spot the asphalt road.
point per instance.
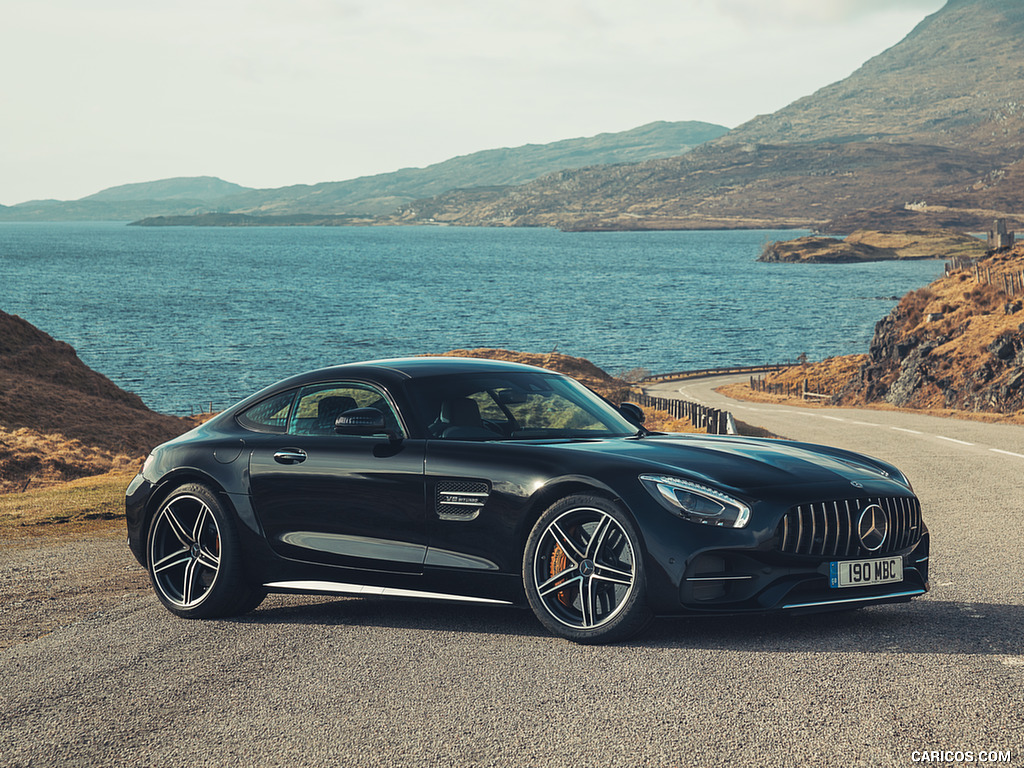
(371, 682)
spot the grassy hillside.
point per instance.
(59, 419)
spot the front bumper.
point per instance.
(737, 581)
(135, 500)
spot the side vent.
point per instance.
(461, 499)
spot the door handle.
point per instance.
(290, 456)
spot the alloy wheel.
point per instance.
(185, 550)
(584, 568)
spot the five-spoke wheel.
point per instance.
(192, 555)
(583, 571)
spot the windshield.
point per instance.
(513, 406)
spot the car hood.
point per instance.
(753, 464)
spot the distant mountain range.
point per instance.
(371, 195)
(927, 133)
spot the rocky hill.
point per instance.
(935, 122)
(957, 344)
(59, 419)
(380, 194)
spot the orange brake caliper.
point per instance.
(559, 562)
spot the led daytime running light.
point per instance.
(663, 485)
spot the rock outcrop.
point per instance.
(957, 344)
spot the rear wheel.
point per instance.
(583, 571)
(195, 558)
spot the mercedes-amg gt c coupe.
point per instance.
(492, 482)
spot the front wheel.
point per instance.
(195, 558)
(583, 572)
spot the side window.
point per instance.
(552, 411)
(488, 408)
(270, 415)
(319, 406)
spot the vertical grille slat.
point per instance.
(849, 530)
(837, 530)
(829, 528)
(799, 530)
(904, 526)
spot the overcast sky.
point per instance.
(267, 93)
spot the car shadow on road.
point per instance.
(922, 627)
(389, 612)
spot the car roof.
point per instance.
(416, 367)
(395, 370)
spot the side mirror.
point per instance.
(633, 413)
(364, 422)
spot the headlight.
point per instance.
(697, 503)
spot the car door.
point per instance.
(341, 500)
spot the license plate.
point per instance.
(865, 573)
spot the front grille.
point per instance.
(829, 528)
(461, 499)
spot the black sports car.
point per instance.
(476, 480)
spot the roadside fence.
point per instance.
(715, 372)
(1011, 282)
(759, 384)
(714, 421)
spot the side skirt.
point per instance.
(334, 587)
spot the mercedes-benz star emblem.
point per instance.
(872, 527)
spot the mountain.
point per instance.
(380, 194)
(386, 192)
(179, 196)
(928, 133)
(204, 188)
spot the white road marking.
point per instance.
(953, 440)
(799, 412)
(1007, 453)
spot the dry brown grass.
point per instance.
(80, 506)
(32, 459)
(922, 243)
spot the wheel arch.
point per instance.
(170, 483)
(560, 489)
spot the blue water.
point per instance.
(186, 316)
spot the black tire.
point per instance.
(583, 572)
(194, 557)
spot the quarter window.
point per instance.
(270, 415)
(320, 405)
